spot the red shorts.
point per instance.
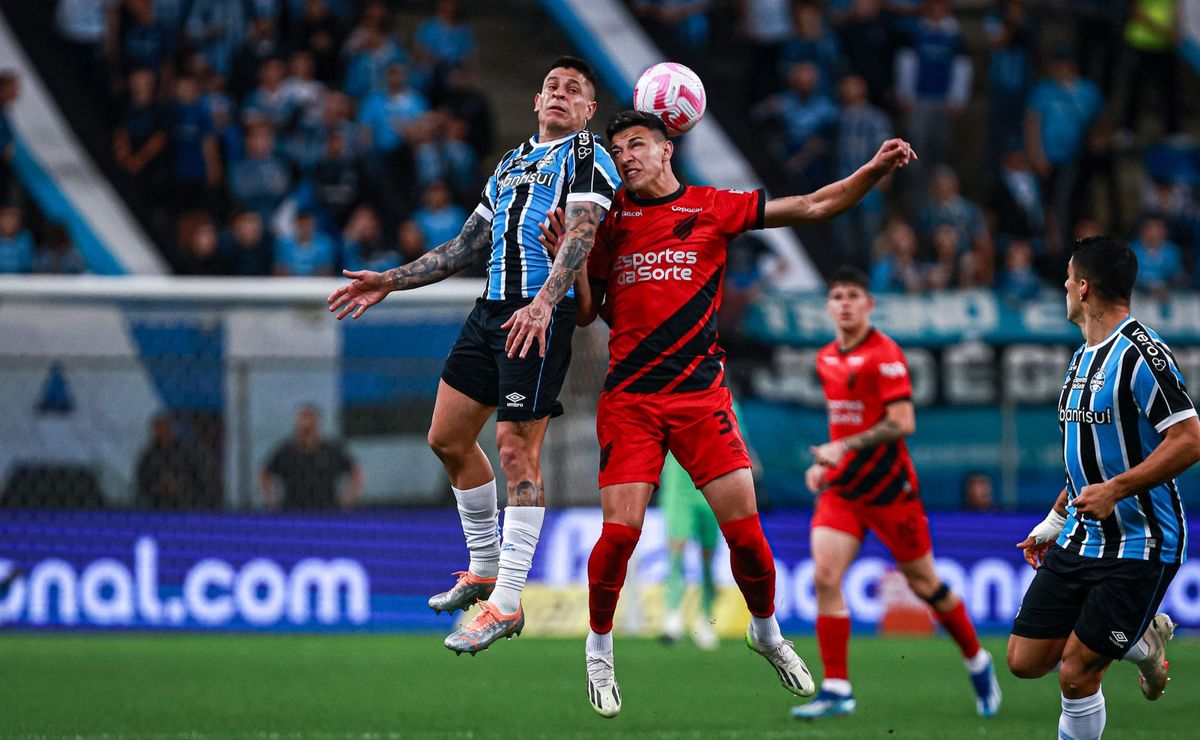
(902, 526)
(635, 431)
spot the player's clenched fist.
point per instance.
(892, 155)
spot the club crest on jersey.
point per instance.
(1097, 381)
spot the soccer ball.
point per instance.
(672, 92)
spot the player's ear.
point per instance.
(537, 101)
(591, 108)
(668, 150)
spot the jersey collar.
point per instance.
(533, 140)
(1109, 338)
(657, 201)
(866, 338)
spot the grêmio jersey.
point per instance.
(662, 261)
(859, 384)
(1117, 399)
(528, 182)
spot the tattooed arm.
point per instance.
(369, 288)
(529, 324)
(900, 421)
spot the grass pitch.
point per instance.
(385, 686)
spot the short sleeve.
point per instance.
(487, 200)
(1158, 387)
(594, 176)
(740, 211)
(892, 370)
(600, 258)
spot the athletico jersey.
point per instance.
(662, 262)
(529, 181)
(1117, 399)
(859, 384)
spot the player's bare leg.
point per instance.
(624, 507)
(833, 552)
(457, 421)
(1083, 713)
(520, 445)
(731, 497)
(950, 612)
(1033, 658)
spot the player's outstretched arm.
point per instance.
(529, 324)
(587, 298)
(900, 421)
(840, 196)
(1178, 451)
(368, 287)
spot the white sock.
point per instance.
(598, 644)
(1082, 719)
(522, 526)
(765, 631)
(839, 686)
(979, 661)
(1138, 651)
(478, 513)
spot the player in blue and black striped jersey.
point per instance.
(1116, 536)
(528, 302)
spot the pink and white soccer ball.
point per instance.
(672, 92)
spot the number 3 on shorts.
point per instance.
(722, 416)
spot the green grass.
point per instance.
(410, 686)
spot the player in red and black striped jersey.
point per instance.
(655, 275)
(864, 478)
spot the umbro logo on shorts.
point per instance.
(514, 400)
(1119, 637)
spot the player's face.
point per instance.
(850, 306)
(566, 102)
(641, 156)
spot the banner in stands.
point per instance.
(373, 571)
(986, 376)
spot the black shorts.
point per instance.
(519, 389)
(1107, 602)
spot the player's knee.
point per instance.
(827, 580)
(518, 456)
(930, 590)
(446, 446)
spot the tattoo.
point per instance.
(526, 493)
(582, 219)
(880, 434)
(446, 259)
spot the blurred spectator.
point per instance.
(389, 112)
(10, 88)
(1098, 25)
(339, 182)
(1177, 205)
(321, 35)
(196, 167)
(198, 242)
(411, 241)
(947, 207)
(808, 119)
(140, 142)
(368, 66)
(308, 253)
(766, 25)
(1012, 41)
(1062, 111)
(1018, 281)
(945, 271)
(440, 219)
(813, 42)
(686, 20)
(16, 243)
(1085, 227)
(261, 180)
(444, 41)
(977, 493)
(82, 26)
(466, 103)
(302, 90)
(1159, 260)
(310, 467)
(222, 113)
(363, 243)
(1150, 37)
(869, 48)
(861, 128)
(269, 101)
(169, 474)
(933, 81)
(261, 43)
(246, 246)
(895, 269)
(442, 153)
(216, 28)
(57, 255)
(1017, 200)
(139, 41)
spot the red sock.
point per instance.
(833, 637)
(606, 572)
(958, 624)
(752, 564)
